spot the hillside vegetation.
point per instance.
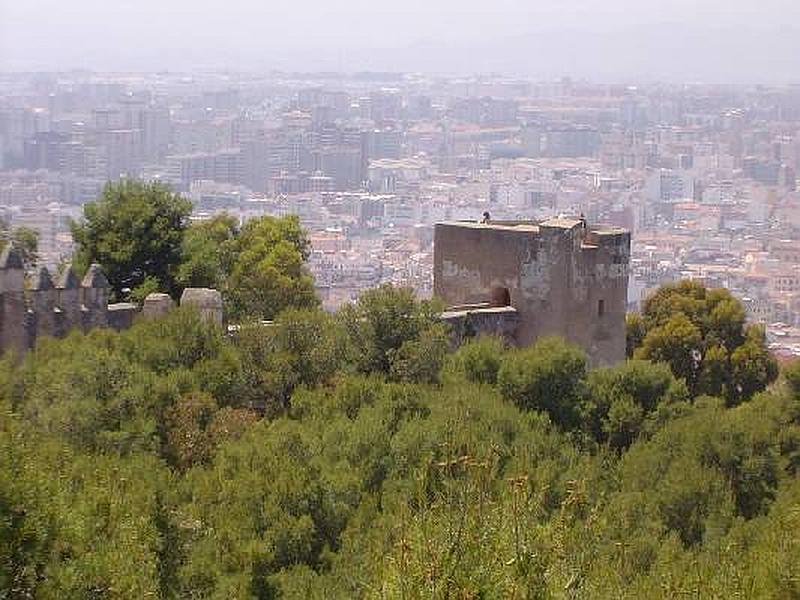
(356, 456)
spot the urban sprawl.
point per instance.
(705, 177)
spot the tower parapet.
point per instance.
(562, 277)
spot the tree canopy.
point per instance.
(701, 334)
(268, 272)
(358, 455)
(135, 232)
(25, 240)
(141, 235)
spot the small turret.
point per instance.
(13, 312)
(156, 305)
(41, 280)
(207, 301)
(95, 278)
(68, 280)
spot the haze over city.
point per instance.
(714, 41)
(422, 299)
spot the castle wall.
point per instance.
(561, 278)
(48, 309)
(473, 322)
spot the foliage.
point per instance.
(701, 334)
(478, 360)
(135, 232)
(622, 400)
(546, 377)
(329, 456)
(141, 236)
(387, 327)
(268, 272)
(208, 252)
(25, 241)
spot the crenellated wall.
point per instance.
(45, 307)
(54, 308)
(48, 308)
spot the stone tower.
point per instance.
(561, 277)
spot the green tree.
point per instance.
(386, 319)
(25, 240)
(268, 271)
(752, 366)
(208, 251)
(791, 373)
(620, 398)
(135, 232)
(701, 334)
(548, 377)
(679, 343)
(634, 332)
(420, 360)
(478, 360)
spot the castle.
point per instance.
(519, 279)
(523, 280)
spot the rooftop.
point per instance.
(533, 226)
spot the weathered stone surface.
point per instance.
(561, 277)
(157, 305)
(94, 298)
(69, 302)
(95, 278)
(13, 310)
(42, 280)
(465, 323)
(10, 258)
(68, 280)
(48, 309)
(207, 301)
(121, 314)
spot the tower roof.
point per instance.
(10, 258)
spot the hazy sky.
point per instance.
(601, 39)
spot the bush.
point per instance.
(478, 360)
(548, 377)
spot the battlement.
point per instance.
(45, 307)
(560, 275)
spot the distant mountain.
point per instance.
(663, 52)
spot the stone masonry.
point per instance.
(53, 308)
(556, 277)
(48, 308)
